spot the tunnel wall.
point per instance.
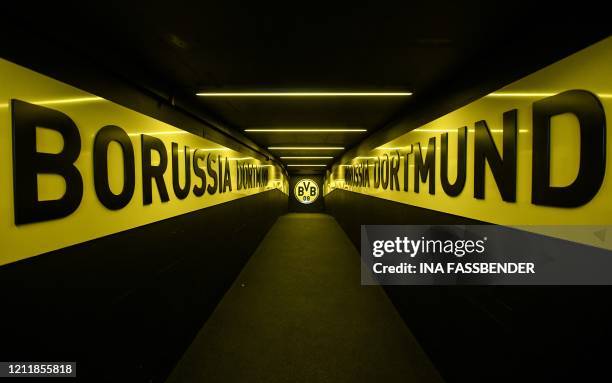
(121, 290)
(490, 333)
(498, 333)
(510, 157)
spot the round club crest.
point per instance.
(306, 191)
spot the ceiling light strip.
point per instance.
(304, 94)
(306, 157)
(305, 148)
(305, 130)
(310, 165)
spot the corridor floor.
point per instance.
(298, 313)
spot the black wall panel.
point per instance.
(126, 306)
(492, 333)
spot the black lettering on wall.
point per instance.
(361, 181)
(227, 180)
(384, 172)
(248, 176)
(377, 172)
(220, 168)
(180, 192)
(28, 163)
(366, 174)
(152, 172)
(406, 167)
(395, 165)
(249, 172)
(244, 175)
(504, 171)
(239, 166)
(252, 175)
(454, 189)
(198, 191)
(591, 117)
(212, 188)
(265, 176)
(425, 169)
(104, 137)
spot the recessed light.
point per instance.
(304, 94)
(305, 157)
(305, 130)
(307, 165)
(305, 148)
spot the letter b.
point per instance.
(28, 163)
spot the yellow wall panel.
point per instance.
(92, 219)
(588, 70)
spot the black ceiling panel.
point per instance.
(183, 47)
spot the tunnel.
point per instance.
(299, 192)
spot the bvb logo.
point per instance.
(306, 191)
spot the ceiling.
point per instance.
(190, 46)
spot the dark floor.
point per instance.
(297, 313)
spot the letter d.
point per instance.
(591, 116)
